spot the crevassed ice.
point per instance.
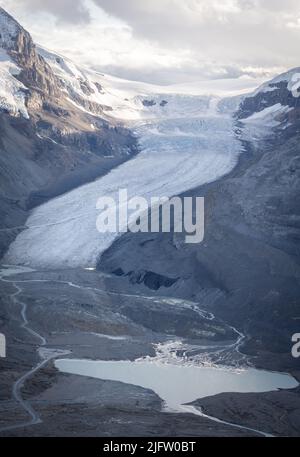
(184, 145)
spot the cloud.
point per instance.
(168, 40)
(69, 11)
(252, 32)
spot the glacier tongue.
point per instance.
(184, 144)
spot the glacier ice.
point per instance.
(184, 144)
(12, 91)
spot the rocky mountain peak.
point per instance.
(283, 90)
(9, 29)
(275, 104)
(35, 73)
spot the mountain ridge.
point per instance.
(48, 143)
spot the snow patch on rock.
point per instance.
(268, 116)
(291, 77)
(12, 91)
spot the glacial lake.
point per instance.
(179, 384)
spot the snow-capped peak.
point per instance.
(12, 91)
(273, 104)
(9, 29)
(291, 78)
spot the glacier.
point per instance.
(185, 141)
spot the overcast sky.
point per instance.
(168, 41)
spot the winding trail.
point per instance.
(49, 354)
(45, 355)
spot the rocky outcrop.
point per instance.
(148, 103)
(35, 73)
(247, 269)
(283, 90)
(56, 146)
(151, 280)
(87, 104)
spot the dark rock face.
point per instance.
(163, 103)
(35, 72)
(277, 91)
(150, 279)
(99, 87)
(278, 94)
(149, 103)
(247, 270)
(88, 105)
(35, 167)
(59, 146)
